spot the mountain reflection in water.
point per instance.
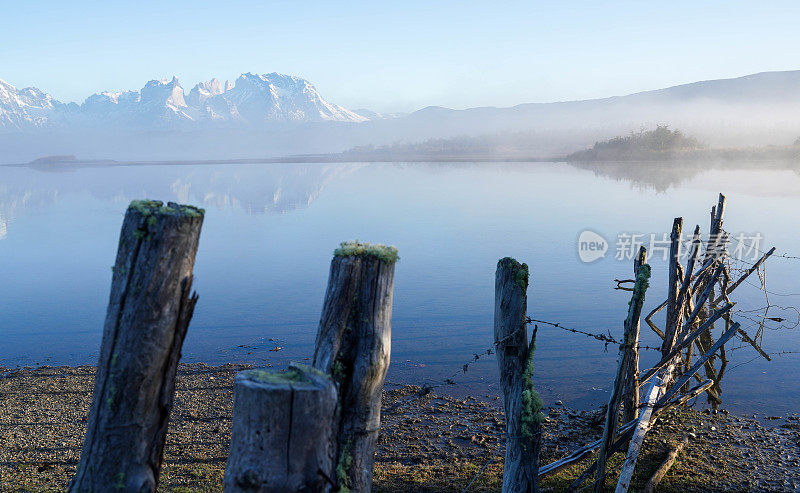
(270, 230)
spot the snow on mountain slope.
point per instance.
(206, 90)
(22, 108)
(253, 100)
(276, 97)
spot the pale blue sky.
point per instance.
(398, 55)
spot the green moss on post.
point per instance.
(642, 283)
(296, 373)
(150, 207)
(343, 465)
(521, 271)
(387, 254)
(531, 401)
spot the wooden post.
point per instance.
(521, 403)
(706, 340)
(631, 393)
(353, 346)
(673, 310)
(146, 322)
(612, 412)
(282, 439)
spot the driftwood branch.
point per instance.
(665, 466)
(653, 326)
(700, 361)
(639, 433)
(684, 343)
(691, 394)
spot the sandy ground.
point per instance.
(428, 442)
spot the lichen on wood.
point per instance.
(520, 270)
(296, 374)
(355, 248)
(531, 414)
(152, 207)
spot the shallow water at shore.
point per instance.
(270, 231)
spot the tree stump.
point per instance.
(282, 438)
(521, 403)
(353, 345)
(147, 318)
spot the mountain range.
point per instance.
(273, 115)
(253, 100)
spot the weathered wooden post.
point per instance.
(612, 412)
(146, 322)
(673, 310)
(521, 402)
(631, 393)
(716, 246)
(353, 346)
(282, 439)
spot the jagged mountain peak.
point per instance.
(253, 100)
(205, 90)
(164, 91)
(26, 107)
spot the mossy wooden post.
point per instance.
(148, 314)
(353, 346)
(612, 412)
(631, 394)
(521, 403)
(282, 439)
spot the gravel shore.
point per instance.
(428, 442)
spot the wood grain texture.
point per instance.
(282, 440)
(642, 427)
(148, 315)
(673, 311)
(631, 325)
(353, 345)
(630, 401)
(521, 468)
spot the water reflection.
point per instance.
(661, 176)
(270, 230)
(254, 189)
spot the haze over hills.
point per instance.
(271, 115)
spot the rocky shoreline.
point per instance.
(429, 442)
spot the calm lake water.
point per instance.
(270, 231)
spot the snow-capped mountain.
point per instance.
(277, 97)
(206, 90)
(253, 100)
(23, 108)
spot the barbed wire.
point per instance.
(605, 338)
(774, 255)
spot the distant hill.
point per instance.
(646, 145)
(271, 115)
(752, 110)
